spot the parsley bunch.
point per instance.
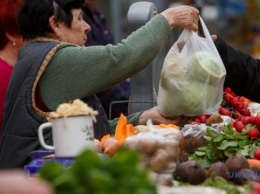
(225, 143)
(92, 174)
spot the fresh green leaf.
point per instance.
(218, 138)
(121, 174)
(225, 144)
(199, 153)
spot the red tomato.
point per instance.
(253, 133)
(257, 154)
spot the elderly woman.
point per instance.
(54, 67)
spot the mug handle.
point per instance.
(40, 135)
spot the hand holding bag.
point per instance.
(192, 77)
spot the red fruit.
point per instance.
(257, 154)
(233, 122)
(234, 102)
(253, 133)
(239, 126)
(241, 99)
(197, 120)
(252, 120)
(236, 115)
(257, 120)
(228, 90)
(246, 112)
(203, 118)
(245, 120)
(224, 111)
(240, 107)
(227, 97)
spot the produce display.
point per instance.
(226, 144)
(220, 151)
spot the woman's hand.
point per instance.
(182, 17)
(157, 118)
(17, 182)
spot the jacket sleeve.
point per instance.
(243, 71)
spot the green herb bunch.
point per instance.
(92, 174)
(225, 143)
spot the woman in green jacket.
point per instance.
(54, 67)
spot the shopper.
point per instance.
(55, 67)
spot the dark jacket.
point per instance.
(100, 34)
(243, 71)
(22, 116)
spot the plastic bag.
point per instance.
(194, 134)
(192, 77)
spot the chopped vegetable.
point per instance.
(123, 130)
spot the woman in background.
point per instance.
(10, 42)
(100, 34)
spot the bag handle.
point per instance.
(200, 30)
(204, 32)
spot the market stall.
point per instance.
(216, 149)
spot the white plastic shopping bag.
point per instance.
(192, 77)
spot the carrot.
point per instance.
(123, 130)
(253, 162)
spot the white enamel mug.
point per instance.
(71, 135)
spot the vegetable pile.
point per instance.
(240, 136)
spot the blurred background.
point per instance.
(236, 21)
